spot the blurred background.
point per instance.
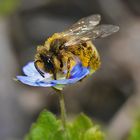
(111, 96)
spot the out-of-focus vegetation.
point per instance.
(8, 6)
(135, 132)
(48, 127)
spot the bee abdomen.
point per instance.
(95, 62)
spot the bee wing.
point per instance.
(99, 31)
(83, 25)
(104, 30)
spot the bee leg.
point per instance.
(40, 72)
(68, 67)
(54, 76)
(60, 60)
(53, 70)
(61, 63)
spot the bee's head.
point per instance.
(45, 63)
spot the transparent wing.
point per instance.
(99, 31)
(83, 25)
(103, 31)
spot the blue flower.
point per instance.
(33, 78)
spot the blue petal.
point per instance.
(33, 78)
(78, 73)
(30, 70)
(33, 81)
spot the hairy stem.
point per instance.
(63, 109)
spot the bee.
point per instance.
(63, 50)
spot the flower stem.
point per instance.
(63, 109)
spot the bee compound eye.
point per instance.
(49, 64)
(49, 60)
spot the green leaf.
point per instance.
(82, 122)
(45, 128)
(59, 135)
(94, 134)
(135, 132)
(79, 126)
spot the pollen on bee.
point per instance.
(40, 65)
(39, 47)
(54, 36)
